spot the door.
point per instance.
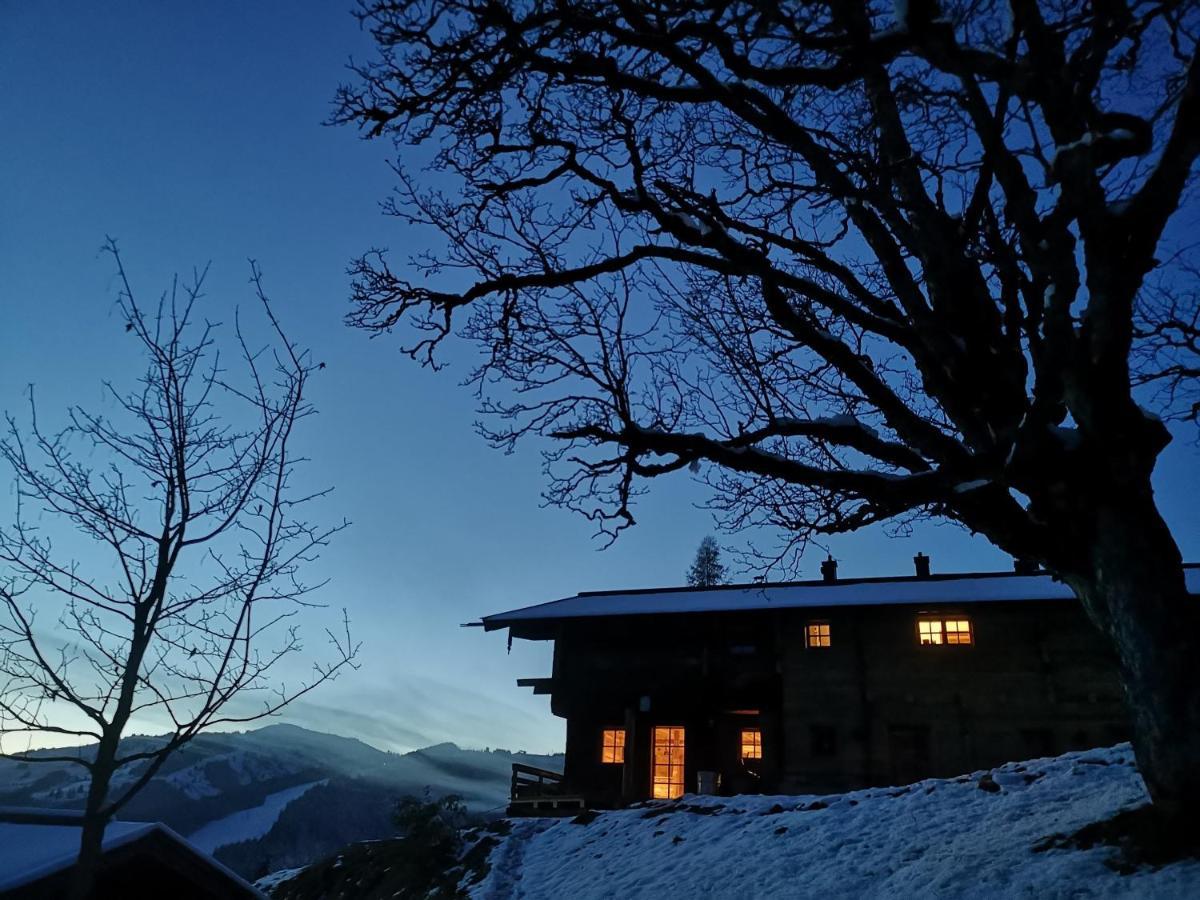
(666, 778)
(908, 746)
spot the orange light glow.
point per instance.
(612, 746)
(818, 635)
(751, 743)
(944, 631)
(667, 777)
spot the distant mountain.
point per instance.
(281, 795)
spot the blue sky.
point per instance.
(192, 133)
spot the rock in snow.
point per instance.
(936, 838)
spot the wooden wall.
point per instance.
(1037, 680)
(873, 708)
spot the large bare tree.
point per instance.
(182, 608)
(857, 261)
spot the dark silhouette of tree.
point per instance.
(188, 493)
(854, 261)
(706, 569)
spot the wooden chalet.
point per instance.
(813, 687)
(139, 861)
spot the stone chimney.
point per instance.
(921, 561)
(829, 569)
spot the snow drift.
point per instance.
(973, 836)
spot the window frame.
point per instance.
(615, 748)
(945, 636)
(676, 762)
(824, 641)
(750, 739)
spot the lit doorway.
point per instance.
(667, 777)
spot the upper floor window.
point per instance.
(751, 743)
(612, 745)
(944, 631)
(817, 634)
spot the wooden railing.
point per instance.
(529, 782)
(540, 792)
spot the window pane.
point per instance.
(944, 631)
(751, 743)
(817, 634)
(959, 637)
(668, 770)
(612, 745)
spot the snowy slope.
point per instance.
(247, 824)
(936, 838)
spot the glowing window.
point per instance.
(751, 743)
(667, 777)
(944, 631)
(817, 634)
(612, 746)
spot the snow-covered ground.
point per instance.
(936, 838)
(268, 883)
(247, 824)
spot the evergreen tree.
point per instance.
(707, 569)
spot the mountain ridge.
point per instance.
(247, 780)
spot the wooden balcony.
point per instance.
(540, 792)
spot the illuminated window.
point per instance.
(944, 631)
(958, 631)
(612, 746)
(817, 635)
(667, 777)
(751, 743)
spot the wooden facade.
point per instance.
(819, 698)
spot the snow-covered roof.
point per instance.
(31, 849)
(936, 589)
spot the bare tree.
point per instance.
(857, 261)
(189, 494)
(1166, 353)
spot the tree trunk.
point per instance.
(83, 876)
(1133, 587)
(95, 821)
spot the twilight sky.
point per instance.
(192, 133)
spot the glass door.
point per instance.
(667, 776)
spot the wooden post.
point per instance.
(629, 770)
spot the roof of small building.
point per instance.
(974, 587)
(37, 843)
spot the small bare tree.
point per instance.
(189, 494)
